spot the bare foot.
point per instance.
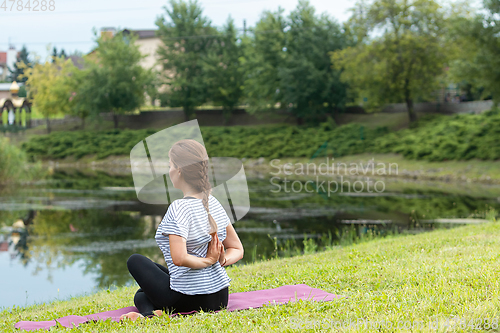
(158, 312)
(131, 315)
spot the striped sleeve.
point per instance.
(176, 220)
(223, 214)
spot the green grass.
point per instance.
(425, 277)
(434, 138)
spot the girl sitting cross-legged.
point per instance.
(197, 240)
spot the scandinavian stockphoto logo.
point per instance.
(150, 165)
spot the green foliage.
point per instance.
(477, 38)
(78, 144)
(22, 91)
(115, 82)
(13, 164)
(402, 65)
(62, 54)
(238, 141)
(309, 83)
(17, 72)
(49, 85)
(263, 55)
(222, 70)
(460, 137)
(435, 138)
(287, 62)
(491, 214)
(182, 58)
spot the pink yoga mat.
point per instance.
(237, 301)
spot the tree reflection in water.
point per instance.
(59, 238)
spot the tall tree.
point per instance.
(49, 86)
(310, 86)
(288, 64)
(222, 70)
(402, 65)
(116, 81)
(54, 54)
(476, 36)
(16, 71)
(84, 95)
(264, 53)
(186, 37)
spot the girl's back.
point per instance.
(187, 218)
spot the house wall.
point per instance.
(148, 47)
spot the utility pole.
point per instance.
(244, 28)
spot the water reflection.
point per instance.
(81, 226)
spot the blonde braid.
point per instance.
(206, 188)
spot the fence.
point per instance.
(239, 117)
(447, 108)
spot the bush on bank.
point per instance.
(14, 164)
(435, 138)
(238, 141)
(459, 137)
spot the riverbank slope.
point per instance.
(428, 277)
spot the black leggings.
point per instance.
(155, 293)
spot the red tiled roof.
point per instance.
(3, 57)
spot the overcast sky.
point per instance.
(70, 24)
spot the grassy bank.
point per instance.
(434, 138)
(424, 277)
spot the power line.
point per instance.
(45, 43)
(249, 30)
(82, 11)
(21, 14)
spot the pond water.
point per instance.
(79, 227)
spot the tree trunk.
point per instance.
(409, 103)
(83, 123)
(187, 114)
(226, 113)
(115, 119)
(300, 120)
(48, 124)
(411, 113)
(334, 113)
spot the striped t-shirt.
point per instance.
(188, 218)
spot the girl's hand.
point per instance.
(213, 251)
(222, 257)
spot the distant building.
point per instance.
(77, 61)
(5, 90)
(148, 43)
(7, 59)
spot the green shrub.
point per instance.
(433, 138)
(238, 141)
(442, 138)
(14, 164)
